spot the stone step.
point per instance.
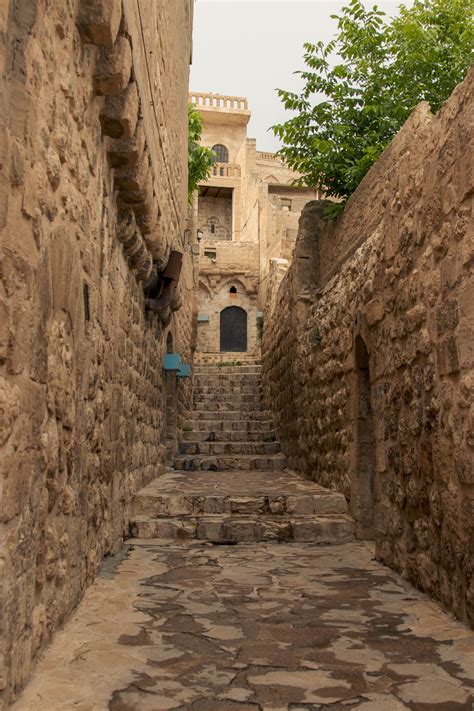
(229, 436)
(228, 406)
(220, 358)
(224, 528)
(220, 424)
(228, 415)
(227, 462)
(227, 370)
(227, 397)
(153, 504)
(227, 383)
(244, 447)
(240, 506)
(229, 390)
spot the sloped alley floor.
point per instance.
(228, 628)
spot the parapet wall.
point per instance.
(368, 352)
(93, 190)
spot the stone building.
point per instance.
(246, 217)
(368, 352)
(93, 202)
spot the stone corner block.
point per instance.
(113, 69)
(99, 21)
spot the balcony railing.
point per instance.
(261, 155)
(216, 101)
(226, 170)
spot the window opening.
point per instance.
(221, 153)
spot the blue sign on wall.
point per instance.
(172, 361)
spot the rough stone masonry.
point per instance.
(368, 352)
(93, 196)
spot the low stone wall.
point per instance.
(93, 183)
(368, 353)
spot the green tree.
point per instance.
(200, 159)
(361, 87)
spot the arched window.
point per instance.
(233, 290)
(221, 153)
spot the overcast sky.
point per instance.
(251, 47)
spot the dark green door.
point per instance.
(233, 329)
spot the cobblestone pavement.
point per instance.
(228, 628)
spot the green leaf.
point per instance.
(350, 109)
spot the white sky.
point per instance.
(251, 47)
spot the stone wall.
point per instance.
(213, 301)
(368, 352)
(93, 173)
(215, 213)
(235, 265)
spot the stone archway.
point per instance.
(363, 483)
(233, 330)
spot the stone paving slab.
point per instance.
(229, 462)
(228, 483)
(249, 628)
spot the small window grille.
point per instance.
(221, 153)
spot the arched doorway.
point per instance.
(233, 330)
(363, 486)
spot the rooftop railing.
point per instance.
(216, 101)
(261, 155)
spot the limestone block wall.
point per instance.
(235, 265)
(368, 352)
(215, 213)
(93, 173)
(212, 302)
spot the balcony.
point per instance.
(225, 170)
(216, 108)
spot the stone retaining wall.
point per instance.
(93, 191)
(368, 353)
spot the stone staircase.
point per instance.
(230, 481)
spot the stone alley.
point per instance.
(236, 366)
(179, 623)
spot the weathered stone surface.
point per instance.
(85, 415)
(99, 21)
(367, 376)
(113, 68)
(120, 114)
(193, 626)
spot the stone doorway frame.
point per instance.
(363, 468)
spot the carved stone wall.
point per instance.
(93, 173)
(368, 352)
